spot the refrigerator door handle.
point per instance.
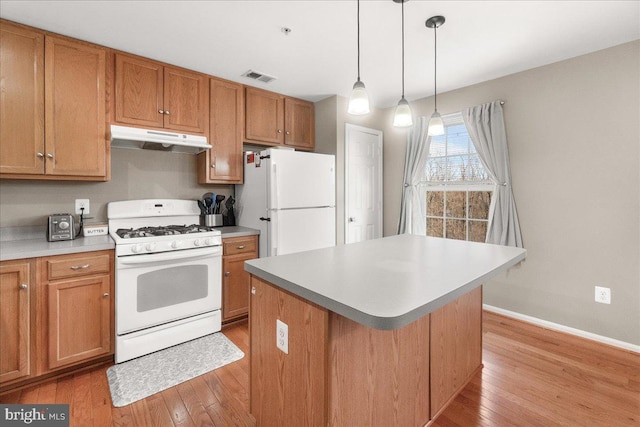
(264, 219)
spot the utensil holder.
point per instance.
(211, 220)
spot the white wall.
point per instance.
(573, 129)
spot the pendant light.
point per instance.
(436, 126)
(359, 100)
(403, 116)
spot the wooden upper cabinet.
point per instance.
(274, 119)
(53, 122)
(22, 100)
(264, 121)
(138, 89)
(151, 94)
(299, 124)
(75, 108)
(223, 162)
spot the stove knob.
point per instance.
(176, 244)
(197, 242)
(208, 242)
(150, 246)
(136, 248)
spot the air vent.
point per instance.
(256, 75)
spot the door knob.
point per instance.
(23, 286)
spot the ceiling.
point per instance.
(480, 41)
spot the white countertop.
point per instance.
(387, 283)
(32, 248)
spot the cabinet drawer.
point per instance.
(240, 245)
(74, 266)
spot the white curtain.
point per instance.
(485, 124)
(412, 215)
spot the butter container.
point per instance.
(95, 230)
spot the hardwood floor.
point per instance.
(532, 377)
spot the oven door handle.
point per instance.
(210, 251)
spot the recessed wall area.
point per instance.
(135, 174)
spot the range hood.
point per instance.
(148, 139)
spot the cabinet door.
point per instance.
(15, 322)
(186, 105)
(299, 124)
(224, 160)
(138, 87)
(75, 108)
(235, 287)
(264, 116)
(22, 100)
(79, 320)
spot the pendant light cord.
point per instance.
(403, 50)
(358, 40)
(435, 67)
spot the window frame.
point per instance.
(426, 186)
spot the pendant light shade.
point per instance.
(359, 99)
(403, 116)
(436, 126)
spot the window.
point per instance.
(457, 187)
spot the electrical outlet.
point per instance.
(282, 336)
(82, 203)
(603, 295)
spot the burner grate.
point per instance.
(167, 230)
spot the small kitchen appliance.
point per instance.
(60, 227)
(168, 275)
(290, 197)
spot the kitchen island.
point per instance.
(383, 332)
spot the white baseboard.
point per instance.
(562, 328)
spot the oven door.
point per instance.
(159, 288)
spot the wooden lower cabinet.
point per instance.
(338, 372)
(57, 313)
(17, 312)
(77, 316)
(235, 280)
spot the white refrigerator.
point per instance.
(290, 197)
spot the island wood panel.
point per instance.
(456, 347)
(75, 108)
(376, 377)
(22, 101)
(287, 389)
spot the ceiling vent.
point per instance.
(256, 75)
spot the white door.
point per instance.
(363, 183)
(301, 180)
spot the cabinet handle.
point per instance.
(49, 155)
(106, 295)
(77, 267)
(23, 286)
(253, 290)
(161, 111)
(288, 133)
(166, 112)
(240, 247)
(279, 130)
(227, 273)
(40, 155)
(213, 166)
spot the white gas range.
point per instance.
(168, 275)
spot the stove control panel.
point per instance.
(166, 245)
